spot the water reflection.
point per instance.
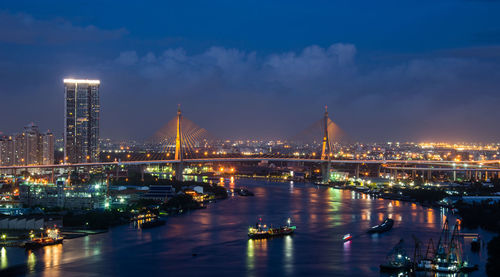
(231, 183)
(52, 255)
(256, 249)
(430, 215)
(3, 258)
(250, 255)
(31, 261)
(288, 254)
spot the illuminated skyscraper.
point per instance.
(81, 120)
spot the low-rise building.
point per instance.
(159, 192)
(72, 197)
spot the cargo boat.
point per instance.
(384, 227)
(261, 231)
(52, 238)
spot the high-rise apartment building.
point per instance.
(33, 144)
(6, 150)
(20, 149)
(81, 120)
(29, 147)
(48, 148)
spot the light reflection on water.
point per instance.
(3, 258)
(214, 240)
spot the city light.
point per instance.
(82, 81)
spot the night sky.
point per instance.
(388, 70)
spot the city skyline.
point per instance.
(436, 82)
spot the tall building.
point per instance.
(29, 147)
(6, 150)
(81, 120)
(20, 149)
(33, 144)
(48, 148)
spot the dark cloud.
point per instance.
(241, 94)
(449, 94)
(22, 28)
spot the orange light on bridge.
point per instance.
(221, 169)
(148, 155)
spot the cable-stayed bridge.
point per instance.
(181, 142)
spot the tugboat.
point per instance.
(384, 227)
(261, 231)
(153, 223)
(397, 260)
(52, 238)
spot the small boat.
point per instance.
(52, 238)
(397, 260)
(153, 223)
(244, 192)
(466, 267)
(475, 244)
(384, 227)
(347, 237)
(261, 231)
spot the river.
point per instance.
(213, 241)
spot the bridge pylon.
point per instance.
(325, 152)
(326, 149)
(178, 146)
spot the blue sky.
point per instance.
(405, 70)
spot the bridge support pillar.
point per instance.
(429, 175)
(141, 167)
(378, 170)
(179, 168)
(325, 172)
(454, 175)
(486, 175)
(107, 184)
(356, 171)
(475, 178)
